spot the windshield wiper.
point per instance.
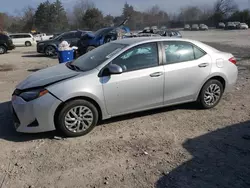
(72, 67)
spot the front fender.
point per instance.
(100, 103)
(87, 85)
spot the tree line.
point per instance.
(52, 17)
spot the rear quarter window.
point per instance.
(198, 53)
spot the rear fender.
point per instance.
(215, 74)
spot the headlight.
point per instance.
(33, 94)
(40, 44)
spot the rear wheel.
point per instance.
(211, 94)
(27, 43)
(3, 50)
(50, 51)
(77, 118)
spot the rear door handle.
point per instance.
(156, 74)
(203, 65)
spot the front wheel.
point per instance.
(50, 51)
(3, 50)
(77, 118)
(28, 43)
(211, 94)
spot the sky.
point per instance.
(114, 7)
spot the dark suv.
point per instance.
(49, 47)
(5, 43)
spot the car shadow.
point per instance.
(34, 70)
(219, 159)
(8, 132)
(39, 55)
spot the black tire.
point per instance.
(50, 51)
(28, 43)
(90, 48)
(212, 84)
(3, 49)
(67, 107)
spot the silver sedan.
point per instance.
(122, 77)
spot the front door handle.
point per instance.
(156, 74)
(203, 65)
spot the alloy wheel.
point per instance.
(212, 94)
(79, 119)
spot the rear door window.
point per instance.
(178, 51)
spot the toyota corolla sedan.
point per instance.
(121, 77)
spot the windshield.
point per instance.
(58, 36)
(101, 31)
(97, 56)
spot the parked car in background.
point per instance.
(42, 37)
(49, 47)
(5, 43)
(171, 33)
(20, 39)
(203, 27)
(243, 26)
(101, 84)
(221, 25)
(237, 25)
(187, 27)
(230, 26)
(159, 32)
(195, 27)
(92, 40)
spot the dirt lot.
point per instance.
(176, 147)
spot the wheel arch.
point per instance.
(89, 99)
(218, 77)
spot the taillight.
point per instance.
(233, 60)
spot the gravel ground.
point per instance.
(175, 147)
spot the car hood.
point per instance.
(48, 41)
(47, 76)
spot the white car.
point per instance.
(42, 37)
(20, 39)
(243, 26)
(203, 27)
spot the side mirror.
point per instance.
(110, 69)
(114, 69)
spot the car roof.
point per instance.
(20, 34)
(130, 41)
(142, 40)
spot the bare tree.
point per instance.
(191, 13)
(79, 11)
(225, 7)
(28, 19)
(206, 12)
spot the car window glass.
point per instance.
(97, 56)
(139, 57)
(178, 52)
(79, 34)
(68, 35)
(26, 36)
(198, 53)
